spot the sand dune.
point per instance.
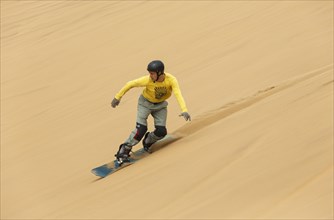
(257, 78)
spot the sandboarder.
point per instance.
(158, 86)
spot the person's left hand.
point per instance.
(186, 116)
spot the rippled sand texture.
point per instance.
(257, 77)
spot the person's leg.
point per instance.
(160, 118)
(137, 134)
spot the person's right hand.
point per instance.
(115, 102)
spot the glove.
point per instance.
(186, 116)
(115, 102)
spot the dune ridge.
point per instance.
(213, 116)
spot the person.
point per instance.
(158, 87)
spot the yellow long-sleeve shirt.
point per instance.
(156, 92)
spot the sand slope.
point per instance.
(257, 78)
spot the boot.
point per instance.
(123, 153)
(146, 145)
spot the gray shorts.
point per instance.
(157, 110)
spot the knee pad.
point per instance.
(160, 131)
(141, 130)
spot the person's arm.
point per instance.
(178, 95)
(140, 82)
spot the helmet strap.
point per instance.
(158, 76)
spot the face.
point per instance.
(153, 75)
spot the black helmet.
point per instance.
(156, 66)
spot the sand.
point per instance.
(257, 77)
